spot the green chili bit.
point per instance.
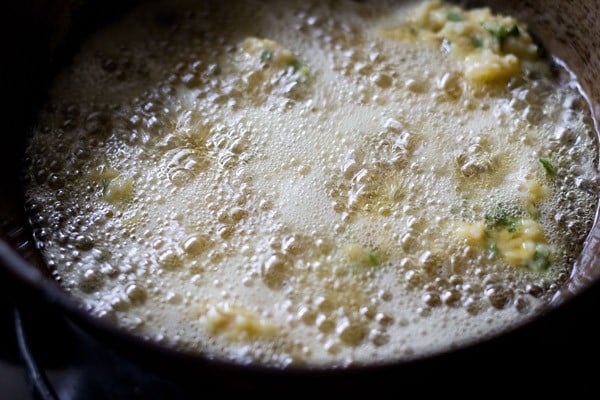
(550, 169)
(266, 55)
(455, 17)
(501, 32)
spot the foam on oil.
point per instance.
(277, 182)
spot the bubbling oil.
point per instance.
(279, 183)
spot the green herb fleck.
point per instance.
(546, 266)
(513, 31)
(299, 67)
(477, 42)
(305, 72)
(455, 16)
(541, 259)
(500, 219)
(104, 182)
(550, 169)
(372, 258)
(413, 31)
(493, 250)
(266, 55)
(295, 64)
(501, 32)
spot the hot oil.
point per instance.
(304, 201)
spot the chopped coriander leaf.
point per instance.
(501, 32)
(550, 169)
(477, 42)
(266, 55)
(455, 16)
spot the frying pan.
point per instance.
(561, 340)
